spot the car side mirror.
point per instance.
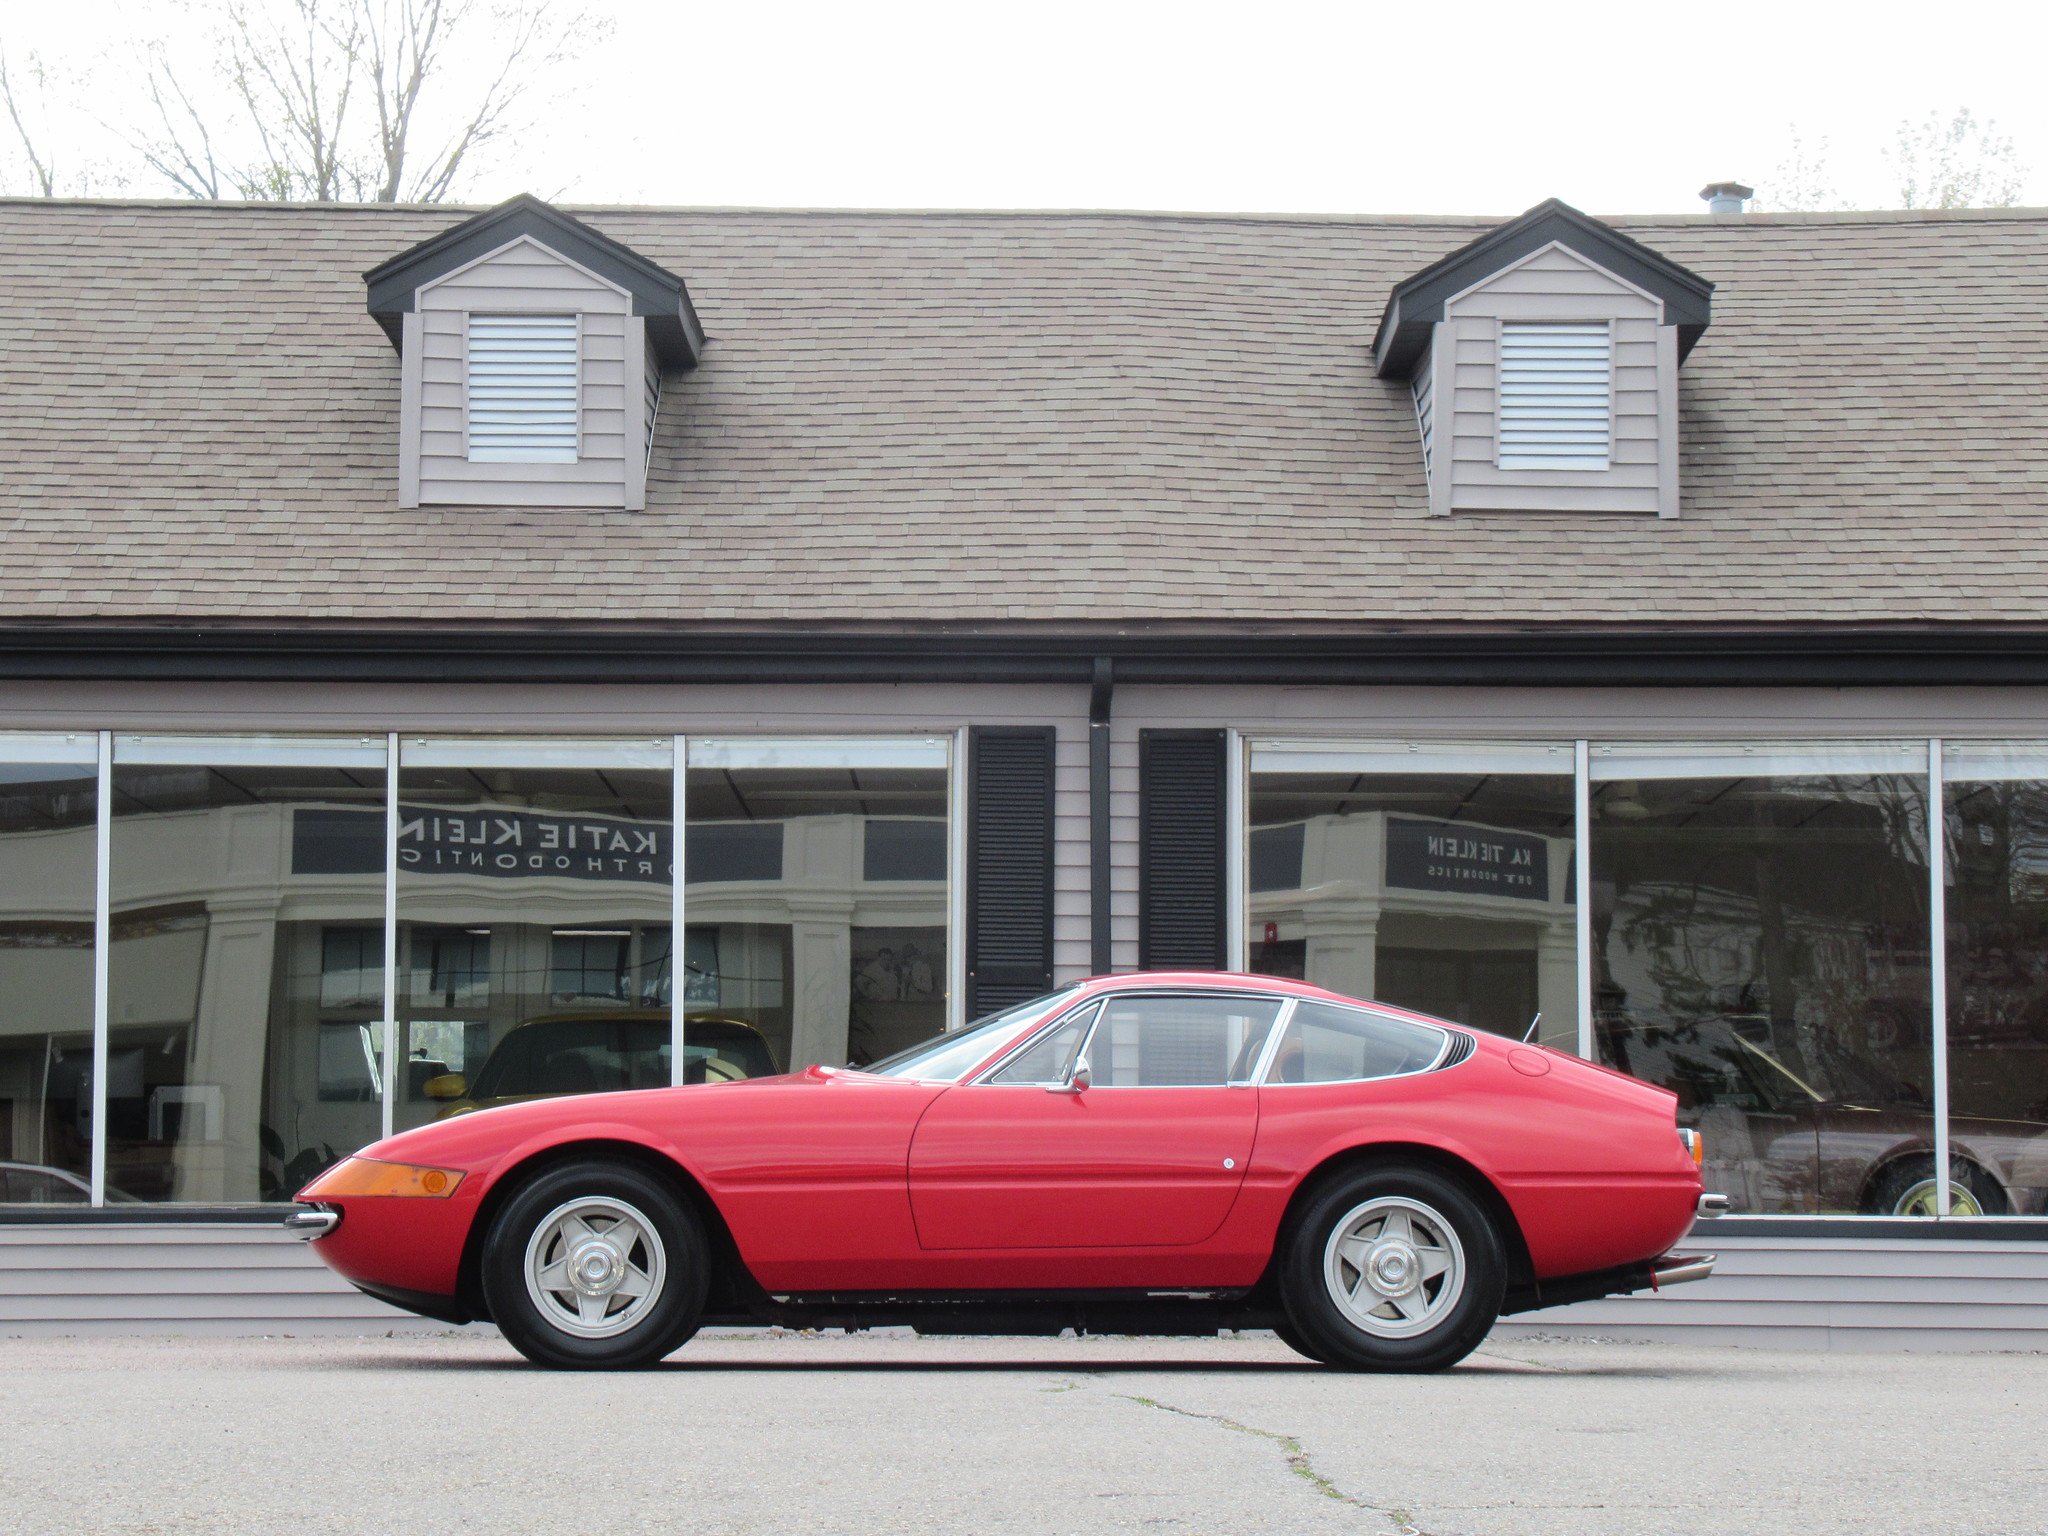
(449, 1085)
(1080, 1080)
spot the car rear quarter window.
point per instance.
(1324, 1043)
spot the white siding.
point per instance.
(1806, 1292)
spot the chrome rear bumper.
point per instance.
(1712, 1205)
(310, 1224)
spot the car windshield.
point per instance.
(948, 1057)
(602, 1055)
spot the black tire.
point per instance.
(1331, 1334)
(673, 1302)
(1896, 1186)
(1295, 1341)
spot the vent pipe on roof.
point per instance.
(1725, 197)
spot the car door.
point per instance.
(1150, 1154)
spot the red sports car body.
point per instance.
(1150, 1153)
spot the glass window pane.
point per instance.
(1448, 893)
(1178, 1042)
(245, 967)
(817, 914)
(47, 850)
(534, 926)
(1761, 947)
(1997, 989)
(1051, 1059)
(1327, 1044)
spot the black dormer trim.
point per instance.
(1417, 304)
(658, 294)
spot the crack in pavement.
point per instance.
(1298, 1462)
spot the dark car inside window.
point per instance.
(604, 1055)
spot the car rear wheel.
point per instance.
(1393, 1269)
(595, 1265)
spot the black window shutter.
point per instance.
(1181, 816)
(1009, 866)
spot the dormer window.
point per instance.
(532, 351)
(523, 404)
(1543, 359)
(1556, 395)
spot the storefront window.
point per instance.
(1438, 879)
(48, 794)
(534, 920)
(1997, 868)
(817, 894)
(1760, 946)
(241, 1051)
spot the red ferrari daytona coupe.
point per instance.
(1157, 1153)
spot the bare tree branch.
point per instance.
(1957, 163)
(297, 73)
(39, 163)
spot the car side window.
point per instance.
(1048, 1059)
(1165, 1041)
(1328, 1044)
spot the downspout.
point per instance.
(1099, 695)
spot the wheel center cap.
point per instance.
(1393, 1268)
(596, 1267)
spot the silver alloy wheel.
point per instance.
(1924, 1198)
(595, 1267)
(1394, 1267)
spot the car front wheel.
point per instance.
(595, 1265)
(1393, 1269)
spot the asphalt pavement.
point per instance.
(798, 1433)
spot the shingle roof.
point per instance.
(1077, 418)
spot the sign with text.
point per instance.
(1466, 860)
(505, 843)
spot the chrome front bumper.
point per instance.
(310, 1224)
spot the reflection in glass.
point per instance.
(244, 977)
(46, 926)
(1447, 893)
(817, 902)
(534, 925)
(1997, 816)
(1760, 947)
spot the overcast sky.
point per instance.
(1360, 108)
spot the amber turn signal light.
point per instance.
(1695, 1146)
(368, 1176)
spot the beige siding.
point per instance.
(1556, 285)
(524, 278)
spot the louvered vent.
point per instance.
(653, 405)
(1009, 866)
(523, 389)
(1180, 850)
(1556, 396)
(1425, 418)
(1461, 1046)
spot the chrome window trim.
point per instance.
(1442, 1050)
(1287, 1003)
(985, 1077)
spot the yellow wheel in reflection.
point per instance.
(1923, 1199)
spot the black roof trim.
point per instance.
(1817, 656)
(1418, 303)
(658, 293)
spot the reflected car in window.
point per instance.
(1829, 1131)
(1164, 1153)
(603, 1052)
